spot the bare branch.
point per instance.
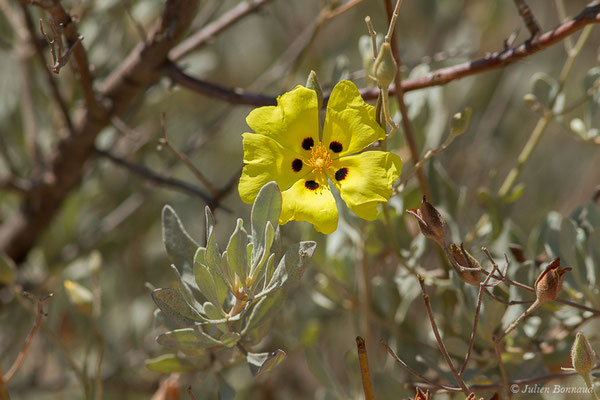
(590, 15)
(441, 345)
(136, 73)
(156, 178)
(58, 98)
(65, 26)
(528, 18)
(230, 95)
(38, 320)
(363, 360)
(211, 30)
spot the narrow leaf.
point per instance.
(187, 337)
(173, 305)
(236, 250)
(266, 208)
(291, 267)
(180, 247)
(264, 310)
(261, 363)
(168, 363)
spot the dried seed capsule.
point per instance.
(431, 222)
(549, 283)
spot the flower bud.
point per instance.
(583, 356)
(549, 283)
(465, 265)
(431, 222)
(313, 83)
(385, 66)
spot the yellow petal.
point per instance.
(267, 161)
(350, 123)
(310, 199)
(293, 123)
(366, 179)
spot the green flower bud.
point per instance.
(582, 355)
(313, 83)
(385, 66)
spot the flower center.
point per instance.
(320, 159)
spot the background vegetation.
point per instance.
(85, 169)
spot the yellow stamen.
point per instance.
(320, 158)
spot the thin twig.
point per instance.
(442, 76)
(190, 393)
(528, 18)
(363, 361)
(164, 141)
(156, 178)
(406, 124)
(81, 377)
(441, 345)
(415, 373)
(38, 320)
(200, 38)
(3, 391)
(69, 30)
(482, 286)
(505, 383)
(39, 49)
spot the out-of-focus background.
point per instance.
(112, 217)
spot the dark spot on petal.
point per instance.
(311, 185)
(336, 147)
(341, 174)
(308, 143)
(297, 164)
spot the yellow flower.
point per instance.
(286, 149)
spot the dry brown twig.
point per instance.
(363, 361)
(23, 353)
(60, 56)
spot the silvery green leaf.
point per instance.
(264, 309)
(168, 363)
(173, 305)
(269, 270)
(214, 259)
(261, 363)
(291, 267)
(230, 339)
(256, 271)
(185, 288)
(187, 337)
(180, 247)
(8, 270)
(210, 221)
(206, 284)
(544, 87)
(236, 250)
(266, 208)
(214, 314)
